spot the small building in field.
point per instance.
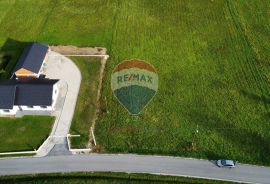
(30, 95)
(32, 61)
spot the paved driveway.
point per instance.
(61, 67)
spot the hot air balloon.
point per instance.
(134, 83)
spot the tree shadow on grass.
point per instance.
(262, 99)
(256, 97)
(10, 52)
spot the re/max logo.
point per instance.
(134, 77)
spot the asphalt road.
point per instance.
(134, 164)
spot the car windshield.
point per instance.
(227, 162)
(223, 162)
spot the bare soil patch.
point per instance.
(73, 50)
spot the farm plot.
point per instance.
(213, 100)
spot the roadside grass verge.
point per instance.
(103, 178)
(24, 134)
(17, 155)
(86, 102)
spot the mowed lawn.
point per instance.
(212, 58)
(86, 104)
(24, 134)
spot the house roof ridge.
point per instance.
(32, 57)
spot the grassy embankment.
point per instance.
(103, 178)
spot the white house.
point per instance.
(34, 95)
(26, 91)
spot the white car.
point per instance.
(226, 163)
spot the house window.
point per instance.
(43, 107)
(30, 106)
(6, 110)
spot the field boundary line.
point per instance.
(101, 77)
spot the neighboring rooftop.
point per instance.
(32, 57)
(7, 96)
(36, 92)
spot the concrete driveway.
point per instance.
(61, 67)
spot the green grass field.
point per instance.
(212, 58)
(86, 103)
(24, 134)
(103, 178)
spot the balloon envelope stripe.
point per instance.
(134, 64)
(131, 95)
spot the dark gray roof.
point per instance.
(37, 92)
(7, 95)
(32, 57)
(30, 93)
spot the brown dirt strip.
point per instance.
(73, 50)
